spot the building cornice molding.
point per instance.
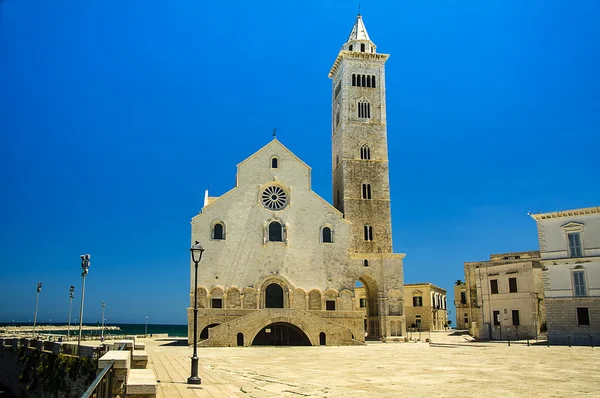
(356, 55)
(566, 213)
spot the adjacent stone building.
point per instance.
(425, 306)
(505, 296)
(281, 265)
(570, 256)
(461, 306)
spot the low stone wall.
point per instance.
(33, 372)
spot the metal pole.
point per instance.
(72, 289)
(37, 299)
(85, 265)
(194, 379)
(103, 307)
(81, 310)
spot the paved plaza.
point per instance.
(453, 366)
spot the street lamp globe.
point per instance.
(197, 251)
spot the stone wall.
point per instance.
(561, 314)
(29, 372)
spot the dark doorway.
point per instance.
(322, 338)
(240, 339)
(274, 296)
(281, 334)
(204, 332)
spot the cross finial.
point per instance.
(359, 8)
(274, 132)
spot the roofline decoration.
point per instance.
(566, 213)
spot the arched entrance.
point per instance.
(370, 305)
(240, 339)
(322, 338)
(274, 296)
(204, 332)
(281, 333)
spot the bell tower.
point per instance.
(359, 142)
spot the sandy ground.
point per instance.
(452, 367)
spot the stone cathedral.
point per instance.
(281, 264)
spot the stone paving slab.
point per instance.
(453, 366)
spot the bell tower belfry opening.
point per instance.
(359, 141)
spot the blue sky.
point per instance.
(116, 115)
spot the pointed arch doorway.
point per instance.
(369, 303)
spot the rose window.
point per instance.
(274, 198)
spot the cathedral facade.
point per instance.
(281, 264)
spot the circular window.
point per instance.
(274, 198)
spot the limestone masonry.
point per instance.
(281, 264)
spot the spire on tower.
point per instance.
(359, 32)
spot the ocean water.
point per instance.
(126, 328)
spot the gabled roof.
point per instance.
(273, 142)
(359, 32)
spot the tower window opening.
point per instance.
(274, 163)
(365, 152)
(366, 191)
(364, 80)
(368, 81)
(373, 81)
(368, 233)
(353, 79)
(364, 109)
(365, 262)
(362, 47)
(275, 232)
(326, 235)
(350, 47)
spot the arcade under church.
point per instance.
(281, 264)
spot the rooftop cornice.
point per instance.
(566, 213)
(356, 55)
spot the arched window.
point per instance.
(240, 339)
(322, 338)
(365, 262)
(364, 81)
(353, 78)
(365, 152)
(326, 235)
(362, 47)
(350, 47)
(274, 163)
(368, 81)
(274, 296)
(364, 109)
(275, 232)
(366, 191)
(218, 231)
(373, 81)
(368, 233)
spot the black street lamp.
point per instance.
(85, 265)
(196, 251)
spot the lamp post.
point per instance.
(37, 299)
(103, 307)
(196, 250)
(85, 265)
(146, 329)
(71, 291)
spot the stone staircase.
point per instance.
(131, 378)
